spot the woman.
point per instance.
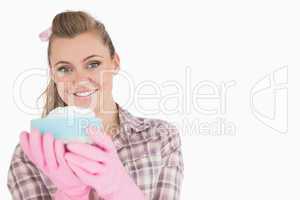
(130, 158)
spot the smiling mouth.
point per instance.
(85, 93)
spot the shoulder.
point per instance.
(149, 127)
(141, 130)
(168, 140)
(162, 127)
(165, 133)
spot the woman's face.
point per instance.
(82, 69)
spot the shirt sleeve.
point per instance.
(24, 180)
(170, 179)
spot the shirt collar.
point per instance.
(130, 123)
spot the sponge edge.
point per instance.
(71, 111)
(67, 124)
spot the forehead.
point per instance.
(77, 48)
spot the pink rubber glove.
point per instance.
(99, 166)
(48, 155)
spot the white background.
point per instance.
(158, 41)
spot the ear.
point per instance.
(116, 62)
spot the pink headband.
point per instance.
(45, 35)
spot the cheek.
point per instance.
(107, 82)
(63, 89)
(104, 80)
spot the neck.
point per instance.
(108, 113)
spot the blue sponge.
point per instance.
(66, 129)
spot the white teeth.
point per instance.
(84, 94)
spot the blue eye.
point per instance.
(93, 65)
(64, 69)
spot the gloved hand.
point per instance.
(48, 155)
(99, 166)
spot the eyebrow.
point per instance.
(66, 62)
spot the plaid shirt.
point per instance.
(150, 150)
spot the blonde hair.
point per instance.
(69, 24)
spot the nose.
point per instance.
(81, 78)
(80, 75)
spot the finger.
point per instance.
(24, 142)
(50, 158)
(90, 166)
(88, 151)
(35, 142)
(83, 175)
(59, 152)
(100, 138)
